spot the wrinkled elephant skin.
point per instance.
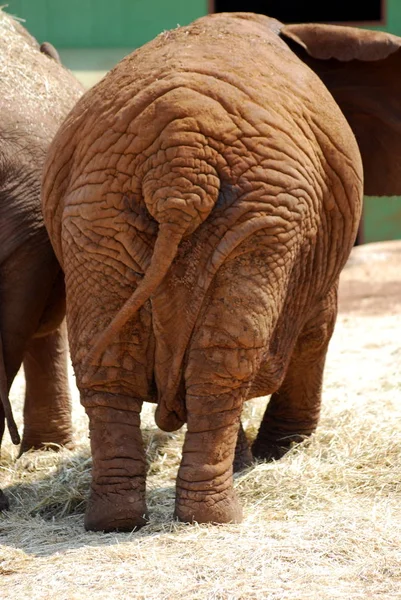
(202, 200)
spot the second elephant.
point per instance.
(36, 93)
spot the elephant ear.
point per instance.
(361, 69)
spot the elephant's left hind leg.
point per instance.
(117, 498)
(293, 411)
(47, 408)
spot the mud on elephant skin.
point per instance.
(35, 96)
(202, 202)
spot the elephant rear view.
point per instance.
(202, 200)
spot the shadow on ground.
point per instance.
(48, 503)
(46, 514)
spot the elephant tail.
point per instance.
(5, 400)
(164, 252)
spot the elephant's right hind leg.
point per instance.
(205, 491)
(217, 381)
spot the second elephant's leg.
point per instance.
(47, 409)
(293, 411)
(243, 456)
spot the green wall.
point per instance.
(103, 23)
(393, 20)
(382, 216)
(122, 23)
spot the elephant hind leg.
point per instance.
(217, 383)
(223, 358)
(117, 498)
(293, 410)
(47, 408)
(205, 492)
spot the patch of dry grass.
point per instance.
(324, 522)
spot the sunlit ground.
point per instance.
(324, 522)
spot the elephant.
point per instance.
(36, 94)
(202, 200)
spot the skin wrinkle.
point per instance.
(329, 163)
(120, 385)
(236, 383)
(220, 100)
(338, 181)
(205, 484)
(118, 266)
(219, 473)
(66, 158)
(111, 271)
(270, 168)
(198, 94)
(136, 267)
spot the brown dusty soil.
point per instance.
(371, 281)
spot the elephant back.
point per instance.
(36, 92)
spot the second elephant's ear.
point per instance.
(362, 70)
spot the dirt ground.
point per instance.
(371, 281)
(323, 523)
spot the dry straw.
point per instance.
(322, 523)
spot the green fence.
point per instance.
(103, 23)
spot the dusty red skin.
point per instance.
(202, 199)
(36, 94)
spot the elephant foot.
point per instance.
(53, 441)
(206, 508)
(115, 512)
(274, 448)
(4, 505)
